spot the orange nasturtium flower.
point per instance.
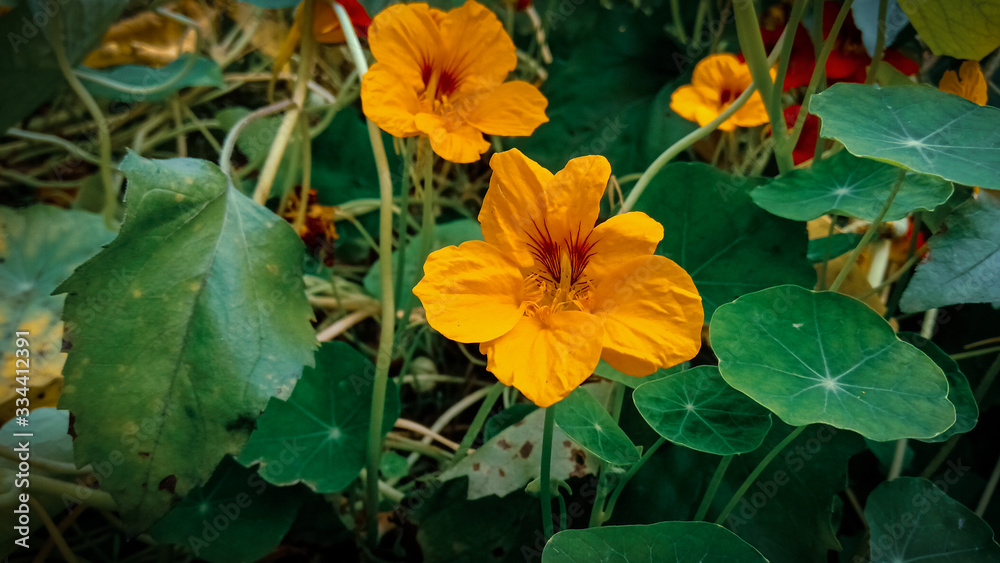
(968, 82)
(716, 83)
(442, 74)
(547, 294)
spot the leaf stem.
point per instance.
(713, 487)
(870, 234)
(229, 144)
(620, 486)
(756, 473)
(545, 477)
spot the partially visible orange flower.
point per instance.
(548, 294)
(442, 74)
(314, 224)
(717, 81)
(968, 82)
(326, 25)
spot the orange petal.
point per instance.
(405, 37)
(451, 141)
(389, 102)
(548, 355)
(573, 197)
(514, 109)
(471, 293)
(621, 239)
(652, 315)
(687, 100)
(476, 49)
(752, 114)
(513, 199)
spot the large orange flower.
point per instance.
(716, 83)
(548, 294)
(442, 74)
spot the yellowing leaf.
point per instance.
(149, 38)
(964, 29)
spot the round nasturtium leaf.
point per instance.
(913, 520)
(698, 409)
(917, 127)
(586, 422)
(677, 542)
(825, 357)
(847, 185)
(959, 390)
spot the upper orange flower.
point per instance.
(548, 294)
(968, 82)
(717, 81)
(326, 25)
(442, 74)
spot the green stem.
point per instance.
(974, 353)
(401, 230)
(899, 455)
(819, 72)
(607, 512)
(229, 143)
(792, 28)
(478, 422)
(425, 156)
(987, 380)
(756, 473)
(384, 357)
(883, 8)
(545, 479)
(872, 231)
(752, 45)
(675, 14)
(713, 487)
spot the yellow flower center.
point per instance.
(558, 282)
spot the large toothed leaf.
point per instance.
(825, 357)
(847, 185)
(964, 29)
(319, 435)
(963, 265)
(715, 232)
(677, 542)
(179, 332)
(917, 127)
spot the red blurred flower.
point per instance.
(805, 148)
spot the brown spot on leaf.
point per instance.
(475, 467)
(66, 345)
(579, 459)
(519, 422)
(169, 483)
(504, 444)
(502, 474)
(526, 449)
(144, 455)
(567, 444)
(71, 430)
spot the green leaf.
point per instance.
(697, 409)
(847, 185)
(917, 127)
(828, 248)
(191, 319)
(824, 357)
(966, 29)
(205, 72)
(716, 233)
(446, 234)
(586, 421)
(319, 435)
(233, 518)
(959, 390)
(964, 260)
(27, 59)
(678, 542)
(912, 520)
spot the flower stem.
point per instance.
(872, 231)
(756, 473)
(883, 8)
(620, 486)
(786, 49)
(545, 479)
(425, 158)
(752, 45)
(713, 487)
(384, 357)
(478, 422)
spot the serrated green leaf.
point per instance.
(698, 409)
(715, 232)
(912, 520)
(828, 248)
(824, 357)
(847, 185)
(964, 260)
(319, 435)
(586, 421)
(959, 390)
(204, 72)
(964, 29)
(917, 127)
(191, 319)
(234, 517)
(678, 542)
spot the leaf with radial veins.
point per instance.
(825, 357)
(586, 421)
(698, 409)
(191, 319)
(677, 542)
(715, 232)
(319, 435)
(917, 127)
(959, 390)
(847, 185)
